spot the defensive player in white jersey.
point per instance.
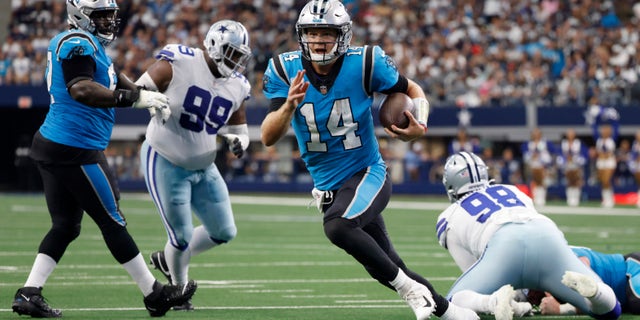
(500, 242)
(325, 92)
(207, 91)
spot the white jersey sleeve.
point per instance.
(201, 105)
(467, 225)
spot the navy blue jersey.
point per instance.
(68, 121)
(334, 125)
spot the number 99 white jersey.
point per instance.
(201, 104)
(467, 225)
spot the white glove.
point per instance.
(235, 145)
(156, 102)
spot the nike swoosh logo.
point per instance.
(428, 303)
(25, 297)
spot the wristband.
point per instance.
(421, 111)
(125, 98)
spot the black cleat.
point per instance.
(29, 301)
(187, 306)
(158, 262)
(164, 297)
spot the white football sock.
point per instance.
(140, 273)
(475, 301)
(401, 282)
(200, 241)
(42, 268)
(604, 300)
(178, 263)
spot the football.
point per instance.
(392, 110)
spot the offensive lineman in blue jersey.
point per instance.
(620, 272)
(68, 149)
(325, 92)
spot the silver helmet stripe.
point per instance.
(472, 166)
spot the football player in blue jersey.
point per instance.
(325, 91)
(68, 149)
(620, 272)
(498, 239)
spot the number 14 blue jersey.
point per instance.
(333, 124)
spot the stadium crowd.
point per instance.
(466, 52)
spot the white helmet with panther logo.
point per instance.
(98, 17)
(324, 14)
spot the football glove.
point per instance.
(156, 102)
(235, 145)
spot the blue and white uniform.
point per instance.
(497, 237)
(177, 157)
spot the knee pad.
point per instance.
(66, 232)
(337, 230)
(225, 235)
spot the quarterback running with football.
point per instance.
(207, 92)
(325, 91)
(500, 242)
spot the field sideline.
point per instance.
(279, 267)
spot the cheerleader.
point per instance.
(572, 160)
(538, 156)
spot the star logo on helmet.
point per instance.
(223, 29)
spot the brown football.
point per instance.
(392, 110)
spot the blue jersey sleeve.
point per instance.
(75, 44)
(385, 72)
(274, 86)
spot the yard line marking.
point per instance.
(244, 308)
(317, 296)
(217, 283)
(393, 204)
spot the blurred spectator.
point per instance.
(572, 160)
(462, 142)
(538, 156)
(413, 160)
(634, 162)
(510, 168)
(606, 163)
(469, 53)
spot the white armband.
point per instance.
(146, 81)
(421, 111)
(238, 130)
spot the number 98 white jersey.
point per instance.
(467, 225)
(200, 104)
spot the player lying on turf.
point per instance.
(620, 272)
